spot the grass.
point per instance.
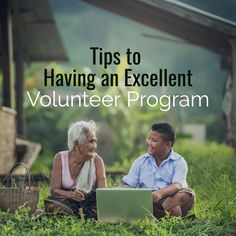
(211, 175)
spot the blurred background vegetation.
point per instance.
(122, 131)
(211, 174)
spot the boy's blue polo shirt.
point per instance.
(144, 172)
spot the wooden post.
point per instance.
(233, 114)
(6, 51)
(229, 102)
(20, 118)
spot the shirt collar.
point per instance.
(172, 156)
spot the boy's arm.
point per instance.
(178, 181)
(132, 178)
(167, 191)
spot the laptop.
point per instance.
(124, 204)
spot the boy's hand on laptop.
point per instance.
(156, 196)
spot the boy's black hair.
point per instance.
(166, 130)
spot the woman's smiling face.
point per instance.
(89, 147)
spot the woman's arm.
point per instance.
(56, 178)
(56, 182)
(100, 172)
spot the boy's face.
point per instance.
(156, 146)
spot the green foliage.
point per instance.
(43, 165)
(129, 134)
(42, 127)
(211, 175)
(216, 129)
(48, 125)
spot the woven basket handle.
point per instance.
(27, 172)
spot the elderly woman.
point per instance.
(78, 171)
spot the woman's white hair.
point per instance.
(79, 131)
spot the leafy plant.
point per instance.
(211, 175)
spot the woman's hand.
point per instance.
(77, 195)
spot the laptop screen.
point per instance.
(124, 204)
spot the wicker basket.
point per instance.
(12, 198)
